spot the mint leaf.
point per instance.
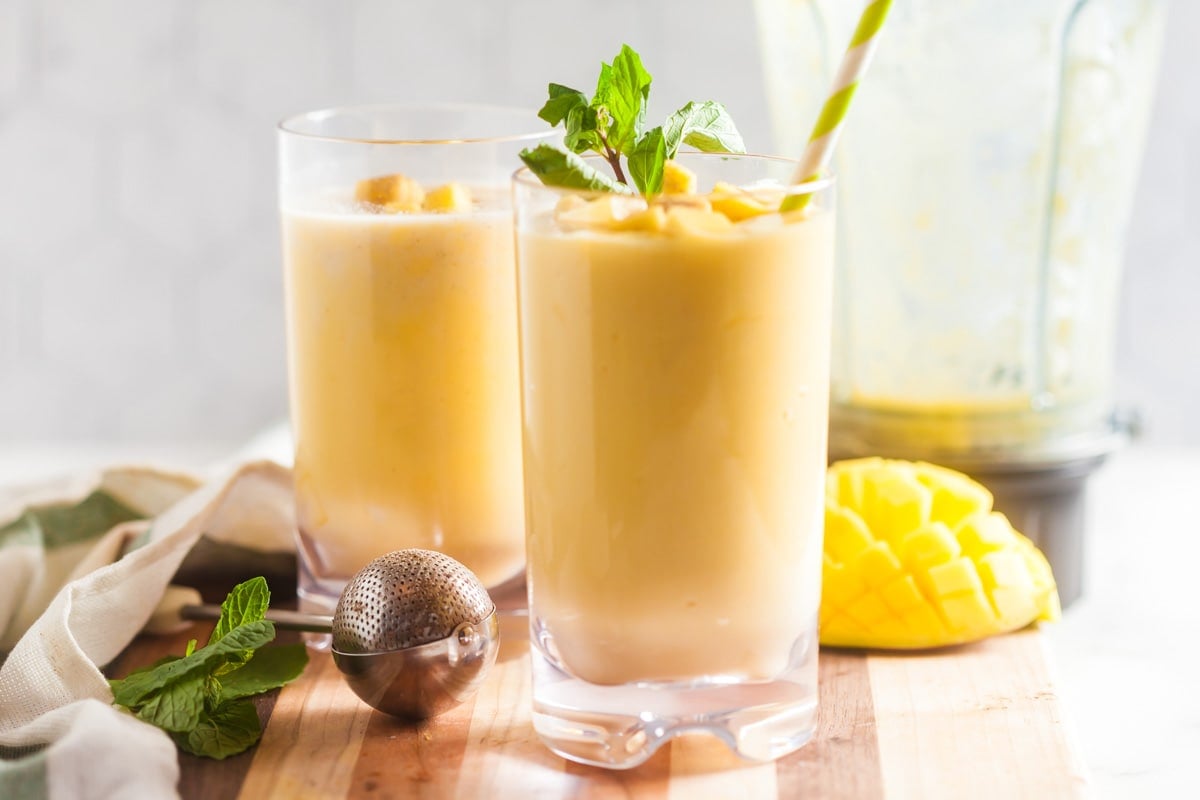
(623, 90)
(562, 100)
(557, 168)
(246, 603)
(230, 729)
(139, 687)
(646, 162)
(270, 668)
(147, 668)
(176, 707)
(705, 126)
(583, 133)
(603, 84)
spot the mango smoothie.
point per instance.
(402, 339)
(675, 369)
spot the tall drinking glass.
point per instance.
(675, 391)
(402, 337)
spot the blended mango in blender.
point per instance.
(675, 358)
(402, 337)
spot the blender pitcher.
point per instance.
(986, 180)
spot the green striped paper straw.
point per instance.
(833, 114)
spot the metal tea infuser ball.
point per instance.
(414, 632)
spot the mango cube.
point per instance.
(877, 565)
(737, 204)
(651, 219)
(678, 179)
(955, 496)
(928, 547)
(895, 503)
(986, 533)
(393, 193)
(955, 576)
(845, 533)
(902, 595)
(693, 221)
(603, 213)
(970, 613)
(840, 585)
(447, 198)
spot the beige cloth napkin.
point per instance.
(80, 575)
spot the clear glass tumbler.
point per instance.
(674, 401)
(402, 337)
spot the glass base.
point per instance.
(316, 595)
(620, 727)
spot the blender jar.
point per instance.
(986, 177)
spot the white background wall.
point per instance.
(140, 293)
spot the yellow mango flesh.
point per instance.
(915, 557)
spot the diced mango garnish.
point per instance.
(683, 212)
(448, 197)
(651, 219)
(736, 203)
(695, 221)
(604, 213)
(915, 557)
(393, 193)
(695, 201)
(678, 179)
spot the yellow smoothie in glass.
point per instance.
(403, 364)
(675, 379)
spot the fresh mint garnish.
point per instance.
(557, 168)
(705, 126)
(201, 698)
(612, 124)
(647, 160)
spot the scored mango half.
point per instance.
(915, 557)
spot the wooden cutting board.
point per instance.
(980, 721)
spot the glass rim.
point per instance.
(524, 175)
(290, 125)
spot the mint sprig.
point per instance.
(557, 168)
(612, 124)
(202, 697)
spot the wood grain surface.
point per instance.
(981, 721)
